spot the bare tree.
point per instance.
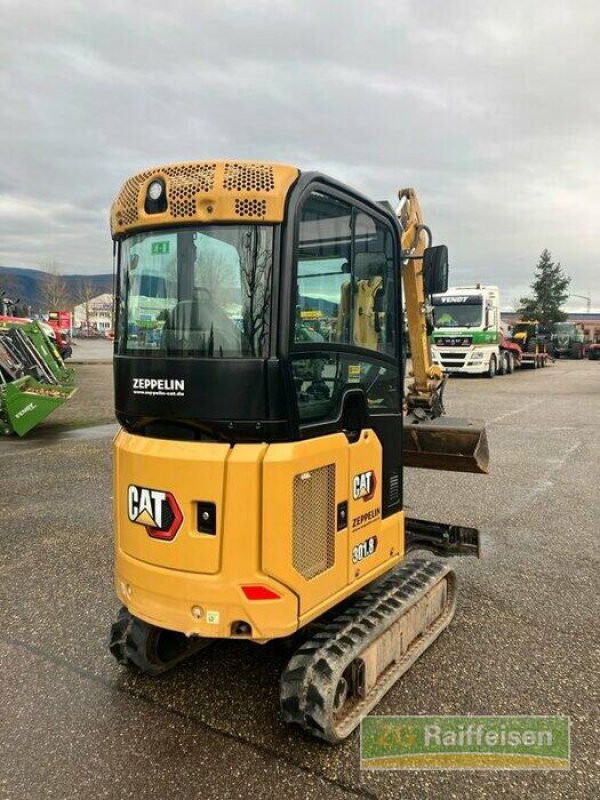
(85, 294)
(54, 292)
(256, 261)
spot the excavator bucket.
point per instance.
(446, 443)
(24, 403)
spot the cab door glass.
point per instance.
(375, 298)
(346, 288)
(323, 311)
(321, 379)
(346, 294)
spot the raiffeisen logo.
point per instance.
(156, 510)
(364, 485)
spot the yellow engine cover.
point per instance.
(302, 521)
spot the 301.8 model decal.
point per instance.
(364, 549)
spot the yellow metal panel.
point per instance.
(363, 580)
(365, 509)
(206, 192)
(243, 511)
(192, 472)
(284, 465)
(167, 598)
(165, 583)
(168, 593)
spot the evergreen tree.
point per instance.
(550, 290)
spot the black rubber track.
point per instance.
(153, 650)
(309, 682)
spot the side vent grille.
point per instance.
(314, 521)
(394, 497)
(248, 178)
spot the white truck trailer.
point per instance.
(467, 337)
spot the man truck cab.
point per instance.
(467, 335)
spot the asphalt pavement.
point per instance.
(74, 724)
(91, 350)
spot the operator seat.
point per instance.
(201, 327)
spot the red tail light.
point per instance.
(257, 592)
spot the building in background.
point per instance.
(589, 322)
(94, 315)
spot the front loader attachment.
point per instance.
(33, 378)
(24, 403)
(26, 350)
(446, 443)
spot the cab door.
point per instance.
(345, 348)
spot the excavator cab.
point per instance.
(259, 386)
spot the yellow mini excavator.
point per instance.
(259, 385)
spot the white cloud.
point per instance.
(489, 110)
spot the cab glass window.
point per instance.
(323, 270)
(346, 287)
(374, 293)
(200, 291)
(321, 379)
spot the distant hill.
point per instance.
(25, 284)
(318, 304)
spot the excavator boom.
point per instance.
(430, 439)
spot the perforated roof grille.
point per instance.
(314, 521)
(248, 177)
(128, 197)
(251, 208)
(184, 182)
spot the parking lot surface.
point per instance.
(92, 349)
(524, 640)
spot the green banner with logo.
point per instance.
(467, 742)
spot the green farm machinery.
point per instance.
(33, 378)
